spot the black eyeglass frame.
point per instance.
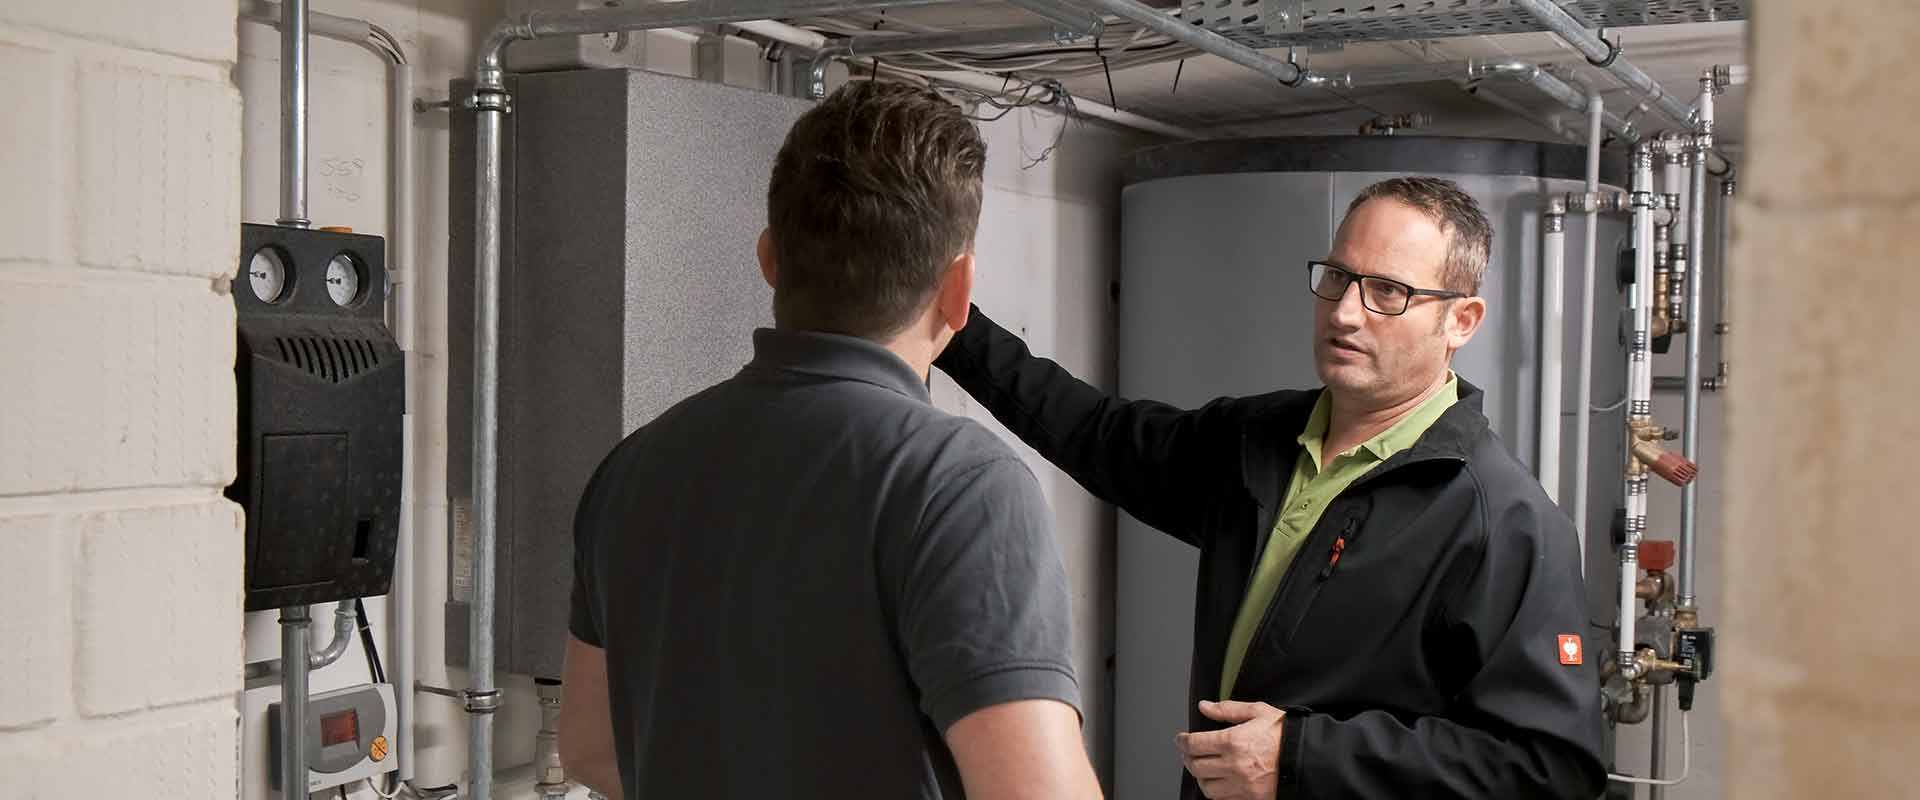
(1361, 278)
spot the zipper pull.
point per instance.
(1339, 546)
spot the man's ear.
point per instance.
(954, 298)
(769, 269)
(1463, 320)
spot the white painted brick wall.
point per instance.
(36, 632)
(114, 380)
(120, 564)
(148, 583)
(28, 126)
(194, 29)
(178, 754)
(159, 163)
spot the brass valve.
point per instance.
(1644, 438)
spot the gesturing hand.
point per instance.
(1237, 763)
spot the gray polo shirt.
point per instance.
(803, 575)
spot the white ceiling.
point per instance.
(1220, 98)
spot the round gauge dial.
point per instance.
(343, 280)
(267, 274)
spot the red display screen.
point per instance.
(341, 728)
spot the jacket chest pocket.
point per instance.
(1318, 563)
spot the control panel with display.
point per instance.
(349, 736)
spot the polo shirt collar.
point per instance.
(830, 355)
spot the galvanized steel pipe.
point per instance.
(293, 114)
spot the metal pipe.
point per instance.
(401, 269)
(649, 16)
(482, 696)
(1158, 22)
(293, 701)
(1639, 398)
(1603, 54)
(782, 32)
(1063, 16)
(1657, 759)
(293, 114)
(1583, 418)
(343, 628)
(1553, 87)
(1690, 432)
(1606, 55)
(1553, 327)
(1721, 324)
(866, 46)
(550, 774)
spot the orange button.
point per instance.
(379, 749)
(336, 229)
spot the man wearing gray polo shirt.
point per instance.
(807, 581)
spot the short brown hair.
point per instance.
(875, 191)
(1469, 234)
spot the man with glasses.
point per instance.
(1388, 604)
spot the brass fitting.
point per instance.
(1650, 663)
(1662, 310)
(1654, 588)
(1643, 438)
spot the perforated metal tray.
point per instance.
(1279, 23)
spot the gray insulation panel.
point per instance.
(628, 283)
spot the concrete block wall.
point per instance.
(120, 562)
(1821, 646)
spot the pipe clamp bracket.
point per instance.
(491, 100)
(485, 702)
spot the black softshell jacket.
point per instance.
(1415, 640)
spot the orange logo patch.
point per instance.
(1570, 649)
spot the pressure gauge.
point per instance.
(343, 280)
(267, 274)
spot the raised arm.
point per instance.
(1161, 464)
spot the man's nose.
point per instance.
(1349, 311)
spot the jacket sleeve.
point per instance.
(1161, 464)
(1526, 724)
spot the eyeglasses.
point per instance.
(1380, 295)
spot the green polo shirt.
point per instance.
(1314, 485)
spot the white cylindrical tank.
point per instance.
(1214, 302)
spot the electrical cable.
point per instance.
(374, 669)
(1686, 762)
(1605, 409)
(398, 790)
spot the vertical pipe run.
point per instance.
(406, 301)
(1639, 398)
(1583, 418)
(1721, 324)
(293, 702)
(1676, 184)
(293, 211)
(1657, 759)
(1553, 326)
(1690, 435)
(293, 114)
(481, 694)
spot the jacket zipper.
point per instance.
(1340, 543)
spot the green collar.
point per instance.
(1383, 445)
